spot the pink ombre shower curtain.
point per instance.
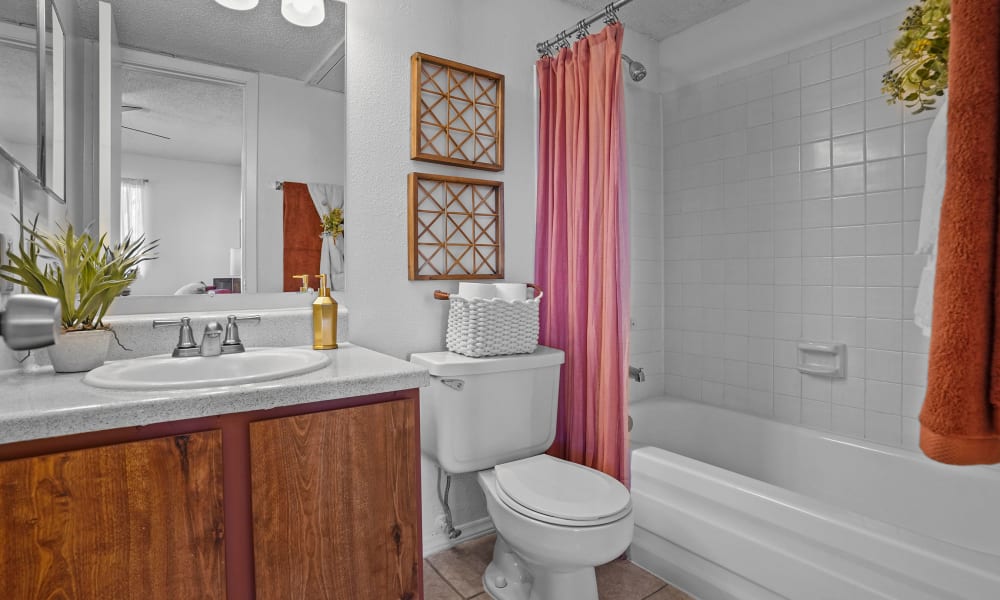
(581, 246)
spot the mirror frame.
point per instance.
(22, 36)
(42, 8)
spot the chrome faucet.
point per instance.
(211, 340)
(232, 343)
(213, 343)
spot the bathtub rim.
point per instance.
(961, 556)
(991, 472)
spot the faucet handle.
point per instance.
(232, 343)
(185, 339)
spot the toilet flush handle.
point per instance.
(455, 384)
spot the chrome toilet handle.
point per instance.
(455, 384)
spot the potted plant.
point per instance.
(85, 275)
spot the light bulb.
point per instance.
(305, 13)
(239, 4)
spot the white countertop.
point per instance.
(39, 404)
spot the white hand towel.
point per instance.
(930, 215)
(326, 197)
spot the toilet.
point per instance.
(555, 520)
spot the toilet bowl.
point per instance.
(555, 522)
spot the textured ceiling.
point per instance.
(662, 18)
(18, 11)
(204, 120)
(256, 40)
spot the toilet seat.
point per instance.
(559, 492)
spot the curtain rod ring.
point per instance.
(610, 14)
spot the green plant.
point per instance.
(333, 222)
(919, 73)
(84, 274)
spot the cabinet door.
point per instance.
(141, 520)
(335, 506)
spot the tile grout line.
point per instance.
(445, 580)
(656, 591)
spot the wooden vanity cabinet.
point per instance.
(315, 501)
(140, 520)
(335, 512)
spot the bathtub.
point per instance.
(732, 506)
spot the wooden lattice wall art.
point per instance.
(455, 227)
(456, 114)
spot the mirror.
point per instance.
(18, 101)
(181, 179)
(19, 83)
(197, 116)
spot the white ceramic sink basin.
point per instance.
(165, 372)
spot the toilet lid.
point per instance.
(561, 492)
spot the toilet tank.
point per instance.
(481, 412)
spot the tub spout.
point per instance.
(637, 374)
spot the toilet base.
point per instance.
(510, 577)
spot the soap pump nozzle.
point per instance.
(304, 280)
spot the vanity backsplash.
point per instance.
(277, 327)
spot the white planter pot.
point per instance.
(79, 351)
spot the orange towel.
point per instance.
(302, 241)
(960, 420)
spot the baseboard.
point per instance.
(438, 541)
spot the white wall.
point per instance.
(792, 193)
(193, 208)
(8, 206)
(388, 312)
(300, 137)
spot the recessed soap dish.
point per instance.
(822, 359)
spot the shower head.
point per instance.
(636, 70)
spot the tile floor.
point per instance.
(456, 574)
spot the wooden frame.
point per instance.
(456, 113)
(455, 227)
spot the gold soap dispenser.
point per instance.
(324, 318)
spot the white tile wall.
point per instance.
(645, 160)
(790, 205)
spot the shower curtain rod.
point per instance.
(581, 29)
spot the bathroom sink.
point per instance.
(165, 372)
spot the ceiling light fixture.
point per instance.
(306, 13)
(239, 4)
